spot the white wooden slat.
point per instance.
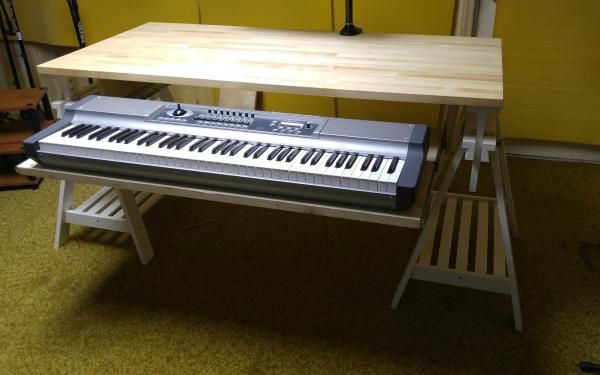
(95, 221)
(447, 233)
(499, 259)
(462, 252)
(101, 204)
(482, 238)
(88, 203)
(111, 209)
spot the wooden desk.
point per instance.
(448, 70)
(410, 68)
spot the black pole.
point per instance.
(15, 25)
(74, 10)
(11, 60)
(350, 28)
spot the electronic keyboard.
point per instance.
(352, 162)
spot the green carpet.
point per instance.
(241, 290)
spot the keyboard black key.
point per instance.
(184, 142)
(69, 131)
(341, 160)
(251, 150)
(100, 137)
(317, 157)
(350, 162)
(87, 131)
(207, 145)
(132, 137)
(122, 137)
(199, 143)
(284, 153)
(262, 150)
(155, 139)
(229, 147)
(331, 159)
(377, 163)
(307, 156)
(99, 132)
(174, 141)
(168, 140)
(274, 153)
(393, 165)
(77, 131)
(366, 163)
(144, 139)
(115, 136)
(238, 148)
(292, 155)
(221, 146)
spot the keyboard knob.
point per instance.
(179, 111)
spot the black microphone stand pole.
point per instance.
(74, 10)
(11, 60)
(350, 28)
(15, 25)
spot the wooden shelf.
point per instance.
(21, 99)
(14, 180)
(13, 133)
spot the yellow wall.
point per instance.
(551, 69)
(49, 21)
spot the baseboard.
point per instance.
(552, 150)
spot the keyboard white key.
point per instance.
(393, 178)
(383, 178)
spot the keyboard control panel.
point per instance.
(257, 121)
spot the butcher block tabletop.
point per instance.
(396, 67)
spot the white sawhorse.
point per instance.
(110, 209)
(119, 209)
(486, 240)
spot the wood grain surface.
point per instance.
(397, 67)
(20, 99)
